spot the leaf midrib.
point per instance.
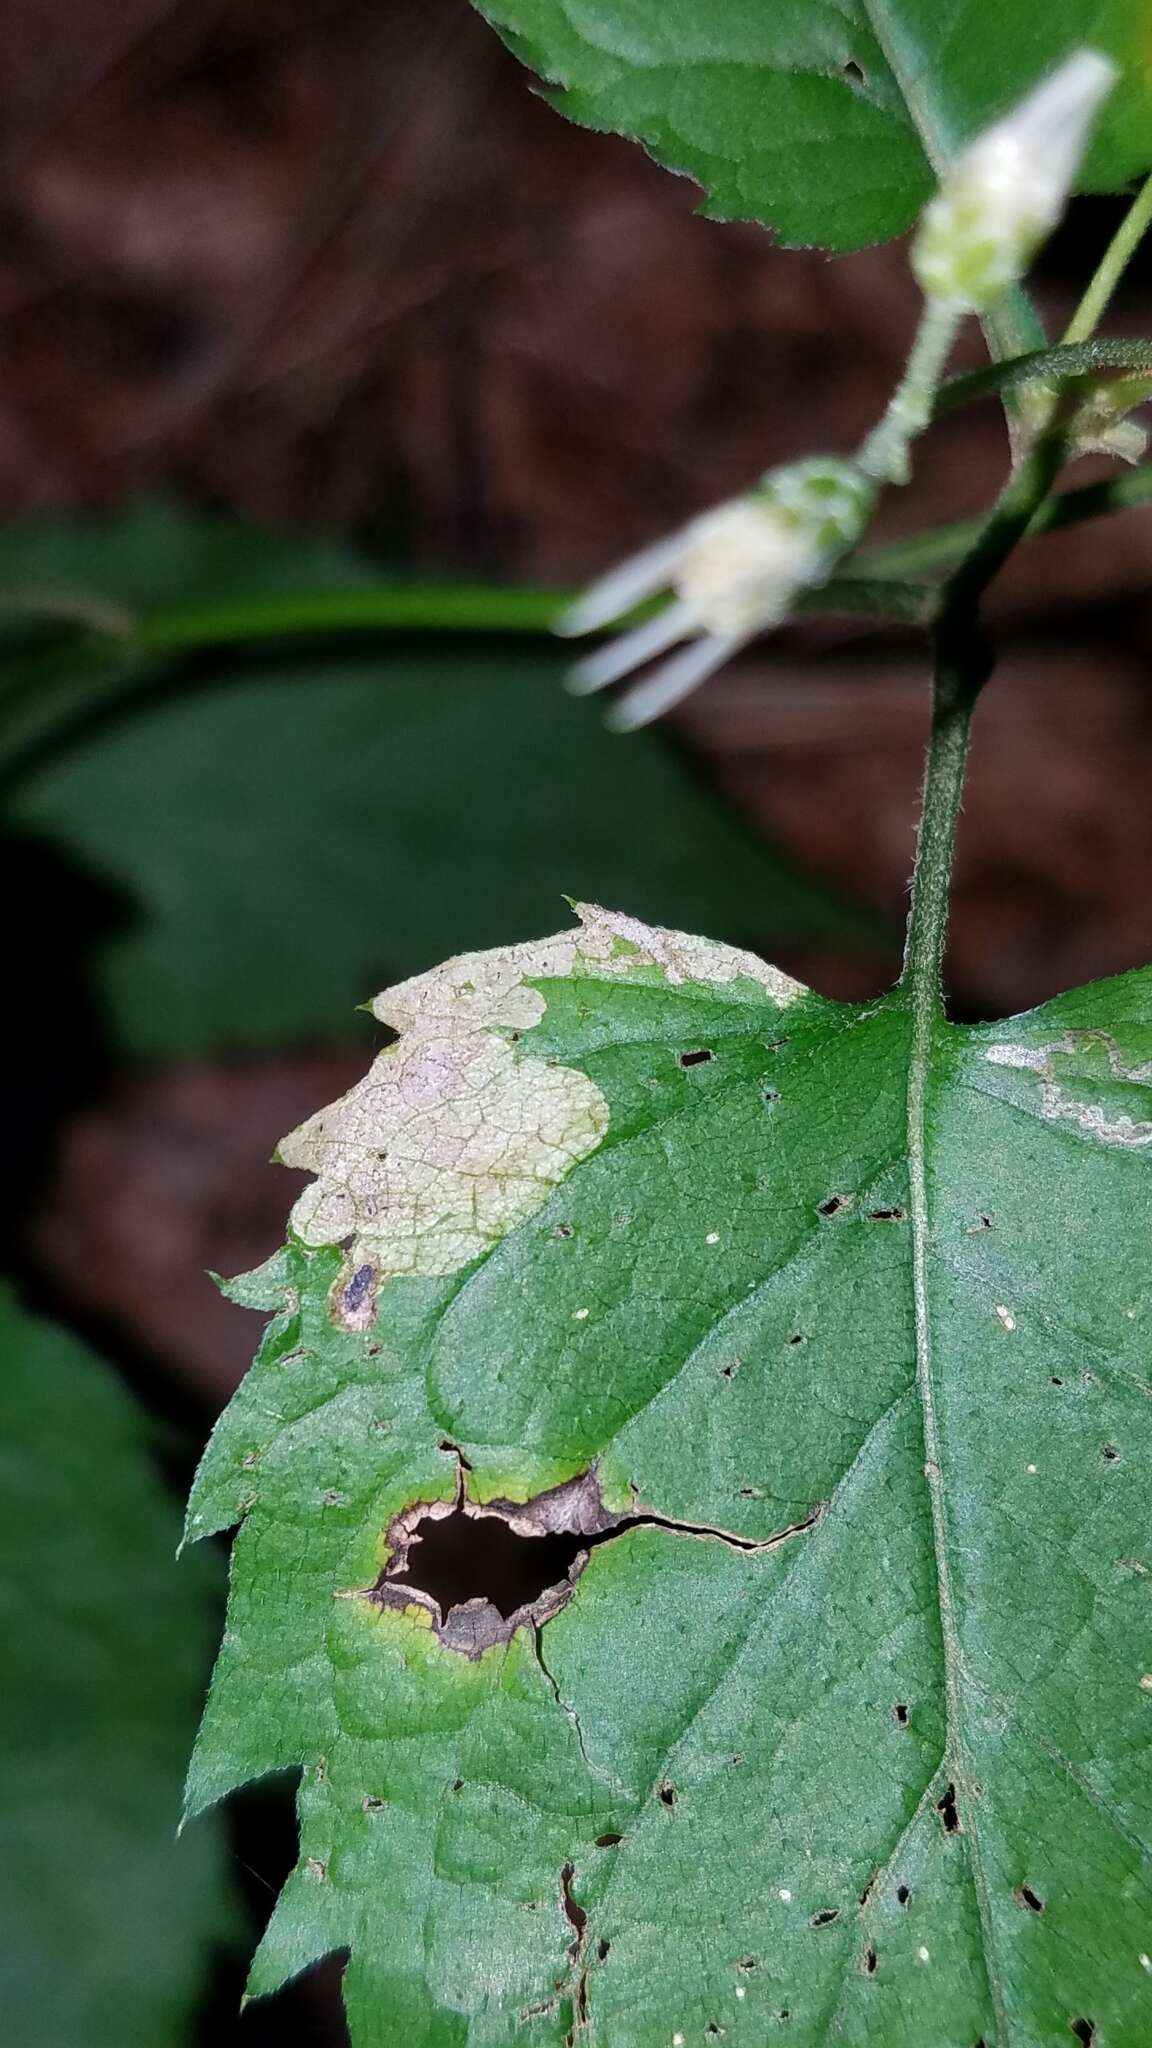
(927, 1020)
(911, 80)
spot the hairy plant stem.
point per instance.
(941, 547)
(885, 453)
(1114, 262)
(962, 665)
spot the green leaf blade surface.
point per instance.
(109, 1921)
(825, 122)
(788, 1753)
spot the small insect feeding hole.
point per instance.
(946, 1808)
(853, 72)
(1084, 2030)
(901, 1713)
(902, 1895)
(1025, 1896)
(699, 1058)
(667, 1795)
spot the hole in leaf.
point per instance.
(870, 1961)
(461, 1557)
(748, 1963)
(1084, 2030)
(667, 1795)
(1109, 1454)
(602, 1948)
(575, 1915)
(853, 72)
(484, 1572)
(833, 1205)
(1025, 1896)
(946, 1808)
(901, 1713)
(712, 2030)
(373, 1805)
(564, 1230)
(699, 1058)
(608, 1841)
(457, 1784)
(886, 1215)
(902, 1895)
(769, 1095)
(796, 1338)
(1056, 1382)
(825, 1918)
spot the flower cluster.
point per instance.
(735, 571)
(741, 567)
(1005, 194)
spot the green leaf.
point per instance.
(108, 1919)
(297, 835)
(826, 123)
(152, 554)
(833, 1718)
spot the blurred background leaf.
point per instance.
(108, 1920)
(288, 836)
(155, 553)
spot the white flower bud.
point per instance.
(734, 572)
(1006, 192)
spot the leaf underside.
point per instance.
(824, 122)
(778, 1756)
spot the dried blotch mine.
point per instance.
(457, 1134)
(1057, 1102)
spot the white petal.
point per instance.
(673, 680)
(609, 663)
(1052, 123)
(639, 577)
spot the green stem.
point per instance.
(962, 665)
(1013, 327)
(1114, 262)
(882, 582)
(885, 453)
(954, 692)
(440, 608)
(943, 546)
(1045, 368)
